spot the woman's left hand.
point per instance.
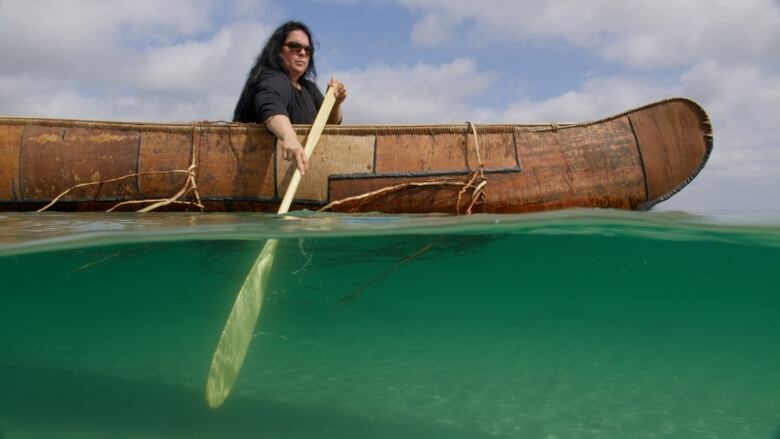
(340, 90)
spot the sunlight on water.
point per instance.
(573, 324)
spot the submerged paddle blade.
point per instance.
(234, 342)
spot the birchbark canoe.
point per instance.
(632, 160)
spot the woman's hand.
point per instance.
(281, 127)
(340, 90)
(292, 149)
(340, 93)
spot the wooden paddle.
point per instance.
(237, 335)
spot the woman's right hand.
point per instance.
(294, 150)
(281, 127)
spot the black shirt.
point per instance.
(274, 94)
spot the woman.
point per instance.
(280, 89)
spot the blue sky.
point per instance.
(422, 61)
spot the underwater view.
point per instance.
(586, 323)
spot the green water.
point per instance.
(574, 324)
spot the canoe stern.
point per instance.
(674, 142)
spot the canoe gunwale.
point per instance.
(356, 130)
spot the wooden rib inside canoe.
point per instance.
(629, 161)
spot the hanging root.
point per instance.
(190, 185)
(473, 188)
(476, 181)
(381, 276)
(370, 196)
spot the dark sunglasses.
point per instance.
(297, 47)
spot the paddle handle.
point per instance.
(311, 143)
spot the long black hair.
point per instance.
(270, 59)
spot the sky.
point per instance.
(423, 61)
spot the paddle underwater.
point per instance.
(237, 334)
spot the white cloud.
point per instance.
(661, 33)
(411, 94)
(140, 60)
(597, 98)
(195, 66)
(53, 34)
(742, 101)
(433, 29)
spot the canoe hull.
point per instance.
(628, 161)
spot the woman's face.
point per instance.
(296, 53)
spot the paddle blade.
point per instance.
(234, 342)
